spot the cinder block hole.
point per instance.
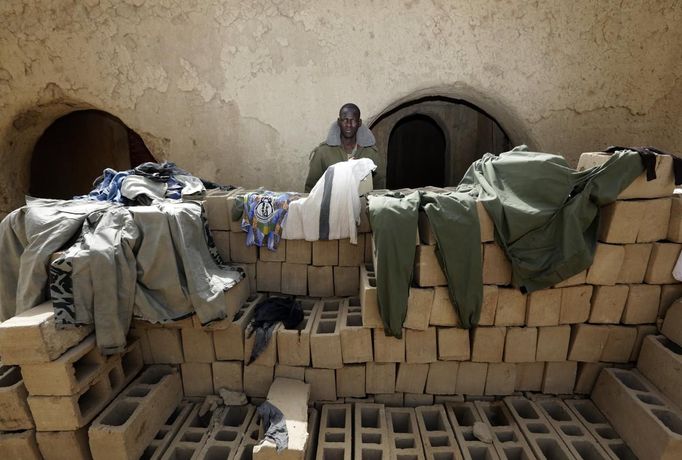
(589, 411)
(537, 428)
(407, 457)
(371, 438)
(88, 363)
(479, 453)
(587, 450)
(669, 419)
(333, 453)
(11, 377)
(555, 411)
(226, 435)
(181, 453)
(131, 362)
(464, 415)
(153, 375)
(622, 451)
(251, 298)
(331, 305)
(336, 417)
(4, 369)
(468, 435)
(607, 432)
(369, 417)
(433, 420)
(217, 453)
(515, 453)
(402, 423)
(524, 409)
(371, 454)
(235, 416)
(148, 452)
(119, 414)
(444, 456)
(161, 433)
(137, 392)
(326, 327)
(629, 380)
(572, 430)
(240, 312)
(439, 441)
(328, 315)
(246, 453)
(354, 302)
(495, 415)
(115, 377)
(649, 399)
(372, 282)
(254, 435)
(334, 437)
(192, 436)
(94, 395)
(174, 416)
(506, 436)
(354, 320)
(404, 443)
(201, 422)
(670, 345)
(551, 449)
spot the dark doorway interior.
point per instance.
(75, 149)
(416, 153)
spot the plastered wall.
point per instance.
(241, 91)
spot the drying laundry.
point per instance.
(263, 215)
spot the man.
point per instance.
(348, 139)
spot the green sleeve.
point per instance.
(315, 170)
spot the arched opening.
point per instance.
(77, 147)
(416, 153)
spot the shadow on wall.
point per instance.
(433, 140)
(75, 149)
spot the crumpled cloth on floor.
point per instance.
(274, 425)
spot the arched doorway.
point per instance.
(416, 153)
(75, 149)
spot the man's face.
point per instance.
(349, 121)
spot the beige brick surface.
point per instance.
(660, 361)
(442, 378)
(20, 445)
(197, 379)
(325, 253)
(299, 252)
(501, 379)
(620, 221)
(619, 344)
(443, 313)
(642, 304)
(166, 346)
(352, 255)
(487, 344)
(559, 377)
(380, 378)
(672, 324)
(346, 281)
(544, 307)
(453, 344)
(587, 376)
(320, 281)
(239, 251)
(257, 380)
(421, 346)
(669, 294)
(268, 356)
(388, 349)
(653, 222)
(14, 411)
(643, 330)
(197, 345)
(322, 384)
(294, 279)
(221, 240)
(419, 304)
(661, 262)
(489, 305)
(290, 372)
(608, 258)
(520, 344)
(411, 377)
(228, 375)
(608, 303)
(278, 255)
(64, 445)
(350, 381)
(587, 342)
(635, 263)
(553, 343)
(427, 270)
(215, 205)
(471, 378)
(529, 376)
(511, 307)
(575, 304)
(356, 340)
(578, 278)
(269, 276)
(496, 266)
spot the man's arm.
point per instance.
(315, 170)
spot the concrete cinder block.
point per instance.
(268, 356)
(299, 252)
(635, 263)
(653, 222)
(501, 379)
(352, 255)
(660, 361)
(586, 377)
(380, 378)
(419, 305)
(442, 378)
(427, 269)
(553, 343)
(489, 305)
(608, 303)
(496, 265)
(471, 378)
(278, 255)
(675, 224)
(166, 346)
(520, 345)
(507, 438)
(346, 281)
(669, 294)
(529, 376)
(608, 258)
(64, 445)
(575, 304)
(325, 336)
(370, 438)
(487, 344)
(421, 346)
(227, 431)
(453, 344)
(197, 379)
(239, 251)
(336, 430)
(390, 399)
(250, 270)
(544, 307)
(411, 377)
(322, 384)
(619, 344)
(642, 304)
(228, 375)
(293, 345)
(269, 276)
(14, 412)
(559, 377)
(368, 298)
(290, 372)
(643, 330)
(587, 342)
(221, 239)
(320, 281)
(511, 307)
(215, 206)
(619, 222)
(257, 380)
(294, 279)
(20, 445)
(661, 263)
(325, 253)
(350, 381)
(388, 349)
(197, 345)
(403, 433)
(436, 432)
(228, 336)
(443, 312)
(672, 324)
(417, 399)
(31, 337)
(356, 340)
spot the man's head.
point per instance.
(349, 120)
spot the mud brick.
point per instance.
(442, 378)
(587, 376)
(436, 433)
(64, 413)
(541, 437)
(356, 340)
(642, 416)
(140, 334)
(325, 336)
(239, 251)
(322, 384)
(672, 324)
(20, 445)
(421, 346)
(641, 306)
(660, 361)
(489, 305)
(508, 440)
(653, 223)
(544, 308)
(443, 312)
(619, 344)
(350, 381)
(575, 304)
(290, 372)
(577, 438)
(228, 336)
(14, 412)
(675, 224)
(221, 239)
(380, 378)
(299, 252)
(669, 294)
(370, 438)
(228, 375)
(388, 349)
(559, 377)
(453, 344)
(166, 346)
(417, 399)
(642, 332)
(575, 280)
(390, 399)
(426, 235)
(346, 281)
(471, 378)
(427, 269)
(197, 346)
(595, 422)
(215, 205)
(419, 304)
(520, 345)
(278, 255)
(403, 433)
(336, 429)
(64, 445)
(485, 223)
(320, 281)
(227, 434)
(661, 263)
(587, 342)
(663, 185)
(352, 255)
(368, 298)
(620, 221)
(293, 345)
(608, 258)
(501, 379)
(234, 299)
(269, 276)
(411, 377)
(529, 376)
(197, 379)
(325, 253)
(635, 263)
(553, 343)
(487, 344)
(496, 267)
(511, 307)
(130, 422)
(294, 279)
(267, 356)
(257, 380)
(31, 337)
(608, 303)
